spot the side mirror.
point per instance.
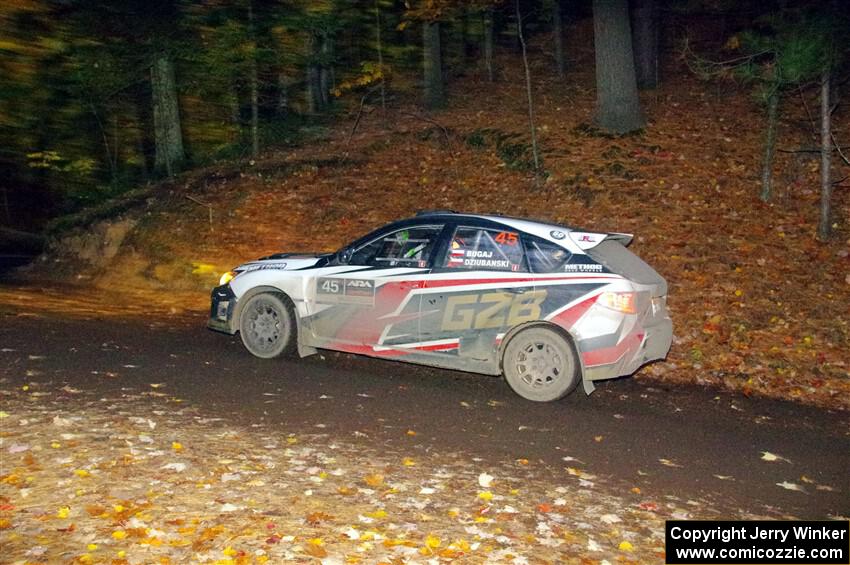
(344, 255)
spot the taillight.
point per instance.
(620, 301)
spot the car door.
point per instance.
(373, 307)
(479, 289)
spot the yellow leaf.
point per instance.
(55, 445)
(91, 546)
(408, 462)
(377, 514)
(461, 545)
(485, 495)
(432, 542)
(291, 440)
(82, 473)
(176, 445)
(118, 508)
(411, 433)
(229, 551)
(626, 546)
(375, 480)
(63, 512)
(316, 541)
(119, 534)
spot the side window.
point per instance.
(544, 256)
(410, 247)
(485, 249)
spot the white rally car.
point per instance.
(544, 305)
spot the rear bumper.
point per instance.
(654, 345)
(222, 305)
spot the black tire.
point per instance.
(540, 365)
(267, 326)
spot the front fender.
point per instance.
(303, 350)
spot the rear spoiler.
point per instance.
(589, 240)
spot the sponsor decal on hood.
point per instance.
(291, 263)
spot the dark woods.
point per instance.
(98, 96)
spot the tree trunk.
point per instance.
(168, 136)
(488, 45)
(314, 101)
(769, 146)
(254, 88)
(432, 65)
(825, 223)
(144, 144)
(558, 36)
(255, 111)
(325, 70)
(234, 107)
(617, 103)
(6, 207)
(282, 107)
(531, 125)
(645, 42)
(380, 47)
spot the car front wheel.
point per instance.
(540, 365)
(267, 326)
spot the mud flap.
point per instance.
(588, 386)
(305, 350)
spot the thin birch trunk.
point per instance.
(254, 88)
(282, 94)
(534, 151)
(769, 146)
(488, 46)
(825, 224)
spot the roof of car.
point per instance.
(534, 227)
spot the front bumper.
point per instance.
(222, 305)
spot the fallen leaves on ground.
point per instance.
(234, 495)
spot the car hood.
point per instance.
(285, 262)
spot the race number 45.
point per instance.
(492, 310)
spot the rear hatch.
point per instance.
(617, 259)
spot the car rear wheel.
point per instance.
(540, 365)
(267, 326)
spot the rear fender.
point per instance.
(588, 385)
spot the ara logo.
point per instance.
(358, 283)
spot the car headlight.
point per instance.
(226, 278)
